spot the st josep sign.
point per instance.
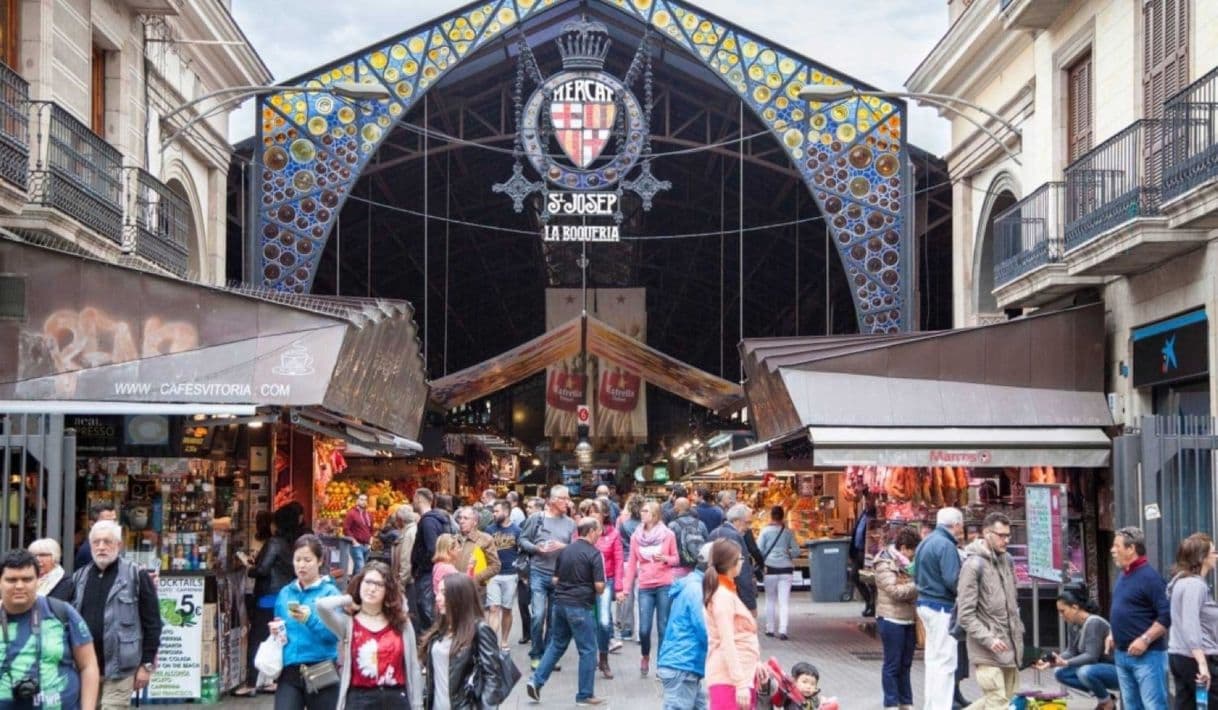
(581, 112)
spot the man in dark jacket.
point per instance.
(710, 514)
(733, 529)
(937, 572)
(432, 524)
(691, 536)
(858, 554)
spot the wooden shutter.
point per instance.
(98, 91)
(1079, 114)
(1165, 40)
(10, 31)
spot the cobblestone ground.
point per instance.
(828, 635)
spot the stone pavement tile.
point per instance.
(828, 635)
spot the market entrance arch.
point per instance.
(852, 156)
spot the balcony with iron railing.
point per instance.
(1029, 234)
(1029, 248)
(1112, 184)
(1114, 224)
(14, 128)
(1190, 150)
(76, 172)
(157, 225)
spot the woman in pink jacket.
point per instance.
(653, 557)
(733, 654)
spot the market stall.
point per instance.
(970, 419)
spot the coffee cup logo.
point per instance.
(294, 362)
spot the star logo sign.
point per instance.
(1169, 355)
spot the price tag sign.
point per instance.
(1046, 531)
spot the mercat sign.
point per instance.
(564, 130)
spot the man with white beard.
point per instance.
(118, 601)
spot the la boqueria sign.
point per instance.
(98, 332)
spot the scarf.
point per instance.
(654, 536)
(47, 583)
(728, 583)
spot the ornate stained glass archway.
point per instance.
(851, 154)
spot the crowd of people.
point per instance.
(425, 621)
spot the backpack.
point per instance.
(690, 539)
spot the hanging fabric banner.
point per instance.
(565, 379)
(620, 414)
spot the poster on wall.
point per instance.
(1046, 530)
(616, 393)
(178, 675)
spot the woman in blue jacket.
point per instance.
(309, 641)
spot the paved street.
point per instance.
(828, 635)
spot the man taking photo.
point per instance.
(47, 652)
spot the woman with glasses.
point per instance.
(1192, 641)
(378, 667)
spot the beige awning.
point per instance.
(973, 447)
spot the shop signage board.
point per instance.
(1171, 350)
(178, 675)
(1046, 527)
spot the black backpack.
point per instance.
(690, 539)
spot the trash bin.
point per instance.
(339, 561)
(827, 560)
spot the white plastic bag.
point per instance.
(269, 658)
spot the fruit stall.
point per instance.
(388, 483)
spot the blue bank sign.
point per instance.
(1171, 350)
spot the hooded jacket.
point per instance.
(432, 525)
(685, 640)
(896, 592)
(310, 642)
(987, 607)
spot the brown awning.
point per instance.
(95, 331)
(1038, 371)
(604, 341)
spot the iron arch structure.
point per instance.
(311, 147)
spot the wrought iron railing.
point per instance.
(1113, 183)
(158, 222)
(77, 172)
(1029, 234)
(14, 127)
(1190, 136)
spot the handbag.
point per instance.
(269, 658)
(319, 676)
(759, 570)
(507, 675)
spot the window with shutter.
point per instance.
(1165, 33)
(10, 25)
(97, 89)
(1078, 108)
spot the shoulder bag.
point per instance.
(319, 676)
(759, 570)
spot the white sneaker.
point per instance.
(614, 645)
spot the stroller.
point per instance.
(780, 693)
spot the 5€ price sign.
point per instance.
(583, 415)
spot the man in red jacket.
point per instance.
(358, 525)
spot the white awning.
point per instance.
(974, 447)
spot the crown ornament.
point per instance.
(584, 44)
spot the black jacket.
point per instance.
(472, 672)
(432, 525)
(273, 569)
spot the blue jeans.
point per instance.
(541, 589)
(359, 557)
(571, 623)
(652, 600)
(604, 617)
(1094, 678)
(682, 690)
(898, 641)
(1143, 680)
